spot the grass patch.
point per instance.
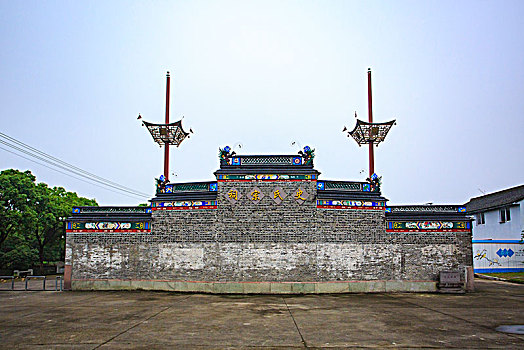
(517, 277)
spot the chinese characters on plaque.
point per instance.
(277, 194)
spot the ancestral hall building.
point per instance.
(267, 224)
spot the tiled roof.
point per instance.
(496, 199)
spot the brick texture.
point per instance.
(248, 240)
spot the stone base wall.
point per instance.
(259, 287)
(130, 258)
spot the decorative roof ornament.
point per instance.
(161, 183)
(374, 181)
(366, 133)
(308, 154)
(167, 134)
(225, 154)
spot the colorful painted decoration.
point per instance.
(189, 187)
(113, 210)
(160, 183)
(75, 227)
(348, 204)
(427, 208)
(505, 252)
(266, 177)
(374, 182)
(184, 205)
(308, 154)
(416, 226)
(225, 154)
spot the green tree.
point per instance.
(33, 219)
(16, 189)
(51, 207)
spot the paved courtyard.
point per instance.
(151, 320)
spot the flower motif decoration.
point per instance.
(308, 154)
(161, 183)
(375, 181)
(224, 154)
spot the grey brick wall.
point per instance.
(266, 241)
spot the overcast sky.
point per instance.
(74, 76)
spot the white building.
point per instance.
(498, 230)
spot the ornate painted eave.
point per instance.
(266, 164)
(327, 189)
(442, 212)
(82, 214)
(187, 191)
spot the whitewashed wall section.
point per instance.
(498, 256)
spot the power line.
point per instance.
(67, 169)
(32, 149)
(58, 163)
(74, 177)
(21, 150)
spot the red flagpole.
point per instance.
(370, 113)
(166, 145)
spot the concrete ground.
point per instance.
(160, 320)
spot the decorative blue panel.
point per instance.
(388, 210)
(505, 252)
(366, 187)
(320, 186)
(297, 160)
(235, 161)
(462, 209)
(213, 187)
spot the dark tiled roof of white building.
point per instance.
(496, 199)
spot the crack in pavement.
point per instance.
(295, 322)
(139, 323)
